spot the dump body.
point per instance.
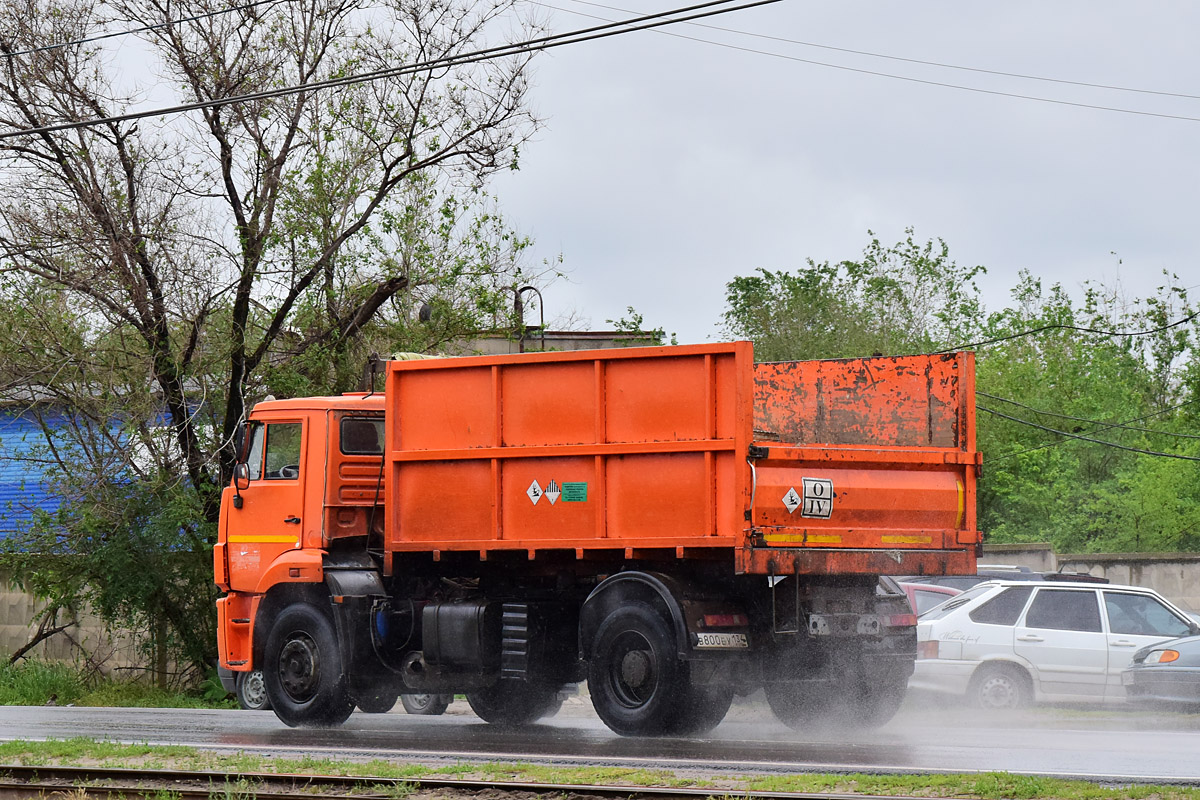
(804, 467)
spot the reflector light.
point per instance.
(1162, 657)
(927, 649)
(726, 620)
(900, 620)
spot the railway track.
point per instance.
(18, 781)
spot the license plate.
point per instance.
(722, 640)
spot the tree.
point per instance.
(169, 270)
(904, 298)
(1088, 432)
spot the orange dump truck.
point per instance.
(674, 525)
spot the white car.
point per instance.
(1003, 644)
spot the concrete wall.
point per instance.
(86, 641)
(1175, 576)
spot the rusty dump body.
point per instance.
(821, 467)
(672, 524)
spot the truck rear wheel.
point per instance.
(795, 704)
(303, 669)
(512, 703)
(637, 682)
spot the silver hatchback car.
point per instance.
(1004, 644)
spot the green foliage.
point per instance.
(1086, 436)
(35, 683)
(633, 325)
(905, 298)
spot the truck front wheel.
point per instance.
(635, 677)
(303, 669)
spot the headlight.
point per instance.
(1162, 656)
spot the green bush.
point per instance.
(36, 683)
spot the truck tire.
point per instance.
(431, 705)
(251, 691)
(637, 681)
(795, 705)
(304, 670)
(873, 706)
(377, 703)
(704, 709)
(514, 703)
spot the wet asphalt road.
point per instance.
(1113, 745)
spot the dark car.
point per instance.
(1000, 572)
(1165, 674)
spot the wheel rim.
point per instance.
(633, 670)
(999, 691)
(300, 667)
(254, 690)
(421, 702)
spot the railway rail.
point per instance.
(21, 781)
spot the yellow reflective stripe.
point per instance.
(962, 504)
(279, 538)
(906, 539)
(800, 537)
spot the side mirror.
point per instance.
(241, 476)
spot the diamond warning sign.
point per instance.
(552, 491)
(791, 500)
(535, 492)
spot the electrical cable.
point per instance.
(940, 64)
(1104, 425)
(1086, 438)
(101, 37)
(1080, 328)
(941, 84)
(646, 22)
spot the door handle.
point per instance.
(292, 520)
(1030, 638)
(1123, 643)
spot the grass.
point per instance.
(38, 683)
(397, 779)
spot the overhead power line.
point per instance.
(4, 48)
(909, 79)
(1103, 425)
(646, 22)
(1079, 328)
(903, 59)
(1083, 438)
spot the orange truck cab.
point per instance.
(672, 524)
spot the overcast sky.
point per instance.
(666, 167)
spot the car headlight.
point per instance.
(1162, 656)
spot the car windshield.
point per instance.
(937, 612)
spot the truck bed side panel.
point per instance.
(617, 449)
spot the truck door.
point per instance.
(270, 519)
(1062, 637)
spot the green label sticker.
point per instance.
(574, 492)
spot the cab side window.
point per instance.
(361, 436)
(282, 460)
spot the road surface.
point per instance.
(1111, 745)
